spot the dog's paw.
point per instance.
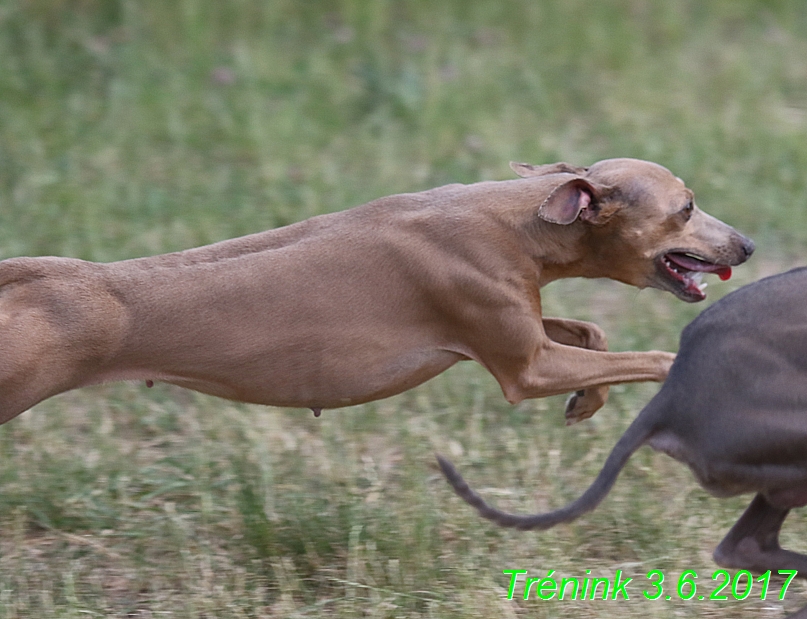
(584, 403)
(571, 405)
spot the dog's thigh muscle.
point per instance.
(55, 332)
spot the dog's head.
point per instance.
(639, 225)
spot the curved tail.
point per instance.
(642, 428)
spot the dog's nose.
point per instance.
(748, 247)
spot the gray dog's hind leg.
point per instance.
(799, 614)
(753, 542)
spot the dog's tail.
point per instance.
(642, 428)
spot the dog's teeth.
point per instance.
(697, 277)
(702, 286)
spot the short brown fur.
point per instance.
(363, 304)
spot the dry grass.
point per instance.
(129, 128)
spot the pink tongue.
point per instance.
(723, 272)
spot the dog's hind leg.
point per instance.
(31, 352)
(58, 326)
(799, 614)
(753, 542)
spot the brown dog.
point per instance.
(360, 305)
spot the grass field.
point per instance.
(130, 128)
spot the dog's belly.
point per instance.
(311, 387)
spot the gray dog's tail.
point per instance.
(642, 428)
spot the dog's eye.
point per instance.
(688, 209)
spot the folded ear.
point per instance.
(575, 197)
(526, 170)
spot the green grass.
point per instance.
(130, 128)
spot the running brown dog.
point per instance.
(363, 304)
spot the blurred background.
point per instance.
(130, 128)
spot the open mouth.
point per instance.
(682, 274)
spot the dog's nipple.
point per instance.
(149, 383)
(317, 411)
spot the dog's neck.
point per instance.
(558, 254)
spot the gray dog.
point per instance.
(734, 408)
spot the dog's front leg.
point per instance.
(583, 403)
(556, 368)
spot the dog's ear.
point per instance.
(525, 170)
(568, 200)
